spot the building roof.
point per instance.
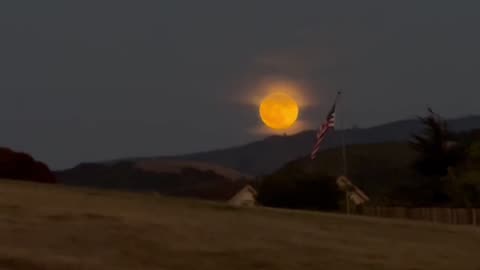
(356, 194)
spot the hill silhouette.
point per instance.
(174, 178)
(267, 155)
(379, 162)
(385, 171)
(378, 169)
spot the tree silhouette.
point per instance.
(439, 155)
(465, 189)
(437, 147)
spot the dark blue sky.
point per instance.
(91, 80)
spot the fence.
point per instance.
(465, 216)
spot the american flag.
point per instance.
(322, 132)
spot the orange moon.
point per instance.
(279, 111)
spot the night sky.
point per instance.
(94, 80)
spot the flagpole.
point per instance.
(330, 123)
(344, 153)
(344, 149)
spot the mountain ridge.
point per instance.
(269, 154)
(252, 159)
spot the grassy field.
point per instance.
(50, 227)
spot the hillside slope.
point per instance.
(265, 156)
(53, 227)
(376, 168)
(176, 178)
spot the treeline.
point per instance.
(22, 166)
(437, 168)
(448, 165)
(296, 189)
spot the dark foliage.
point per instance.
(298, 190)
(21, 166)
(425, 194)
(438, 149)
(471, 194)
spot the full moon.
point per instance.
(279, 111)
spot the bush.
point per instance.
(21, 166)
(298, 190)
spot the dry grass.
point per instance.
(49, 227)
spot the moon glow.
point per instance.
(279, 111)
